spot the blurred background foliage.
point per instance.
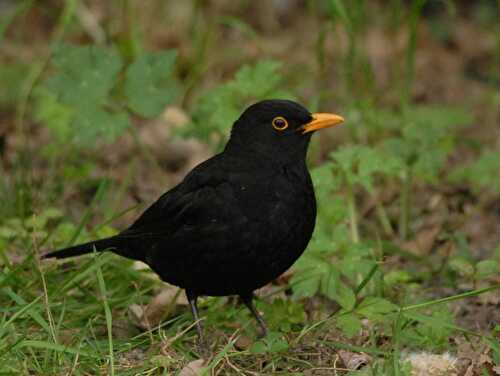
(104, 105)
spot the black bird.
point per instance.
(239, 219)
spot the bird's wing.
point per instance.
(204, 197)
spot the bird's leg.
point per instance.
(193, 304)
(247, 300)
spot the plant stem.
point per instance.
(384, 219)
(404, 218)
(415, 11)
(353, 221)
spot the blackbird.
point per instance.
(239, 219)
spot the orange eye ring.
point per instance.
(280, 123)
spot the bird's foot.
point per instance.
(262, 327)
(203, 348)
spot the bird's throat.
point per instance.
(282, 153)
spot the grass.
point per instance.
(407, 160)
(109, 320)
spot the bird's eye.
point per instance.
(280, 123)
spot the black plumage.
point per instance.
(238, 220)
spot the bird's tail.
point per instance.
(114, 244)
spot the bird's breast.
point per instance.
(280, 211)
(287, 194)
(281, 216)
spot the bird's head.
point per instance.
(279, 128)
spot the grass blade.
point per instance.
(33, 314)
(452, 298)
(109, 318)
(53, 347)
(90, 269)
(17, 314)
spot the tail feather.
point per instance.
(81, 249)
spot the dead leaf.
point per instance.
(160, 307)
(427, 364)
(139, 265)
(193, 368)
(284, 278)
(469, 371)
(485, 359)
(354, 361)
(424, 240)
(243, 343)
(175, 116)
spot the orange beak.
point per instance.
(322, 120)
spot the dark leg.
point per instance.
(192, 299)
(247, 300)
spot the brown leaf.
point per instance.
(469, 371)
(485, 359)
(139, 265)
(354, 361)
(160, 307)
(284, 278)
(243, 343)
(175, 116)
(193, 368)
(424, 240)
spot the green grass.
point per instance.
(368, 283)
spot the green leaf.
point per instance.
(258, 347)
(361, 164)
(349, 323)
(324, 179)
(257, 81)
(272, 343)
(396, 277)
(335, 289)
(85, 75)
(279, 346)
(432, 331)
(54, 114)
(480, 174)
(462, 266)
(74, 102)
(219, 108)
(487, 268)
(375, 308)
(428, 136)
(283, 314)
(100, 125)
(149, 84)
(345, 296)
(305, 284)
(310, 269)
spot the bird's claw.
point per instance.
(204, 349)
